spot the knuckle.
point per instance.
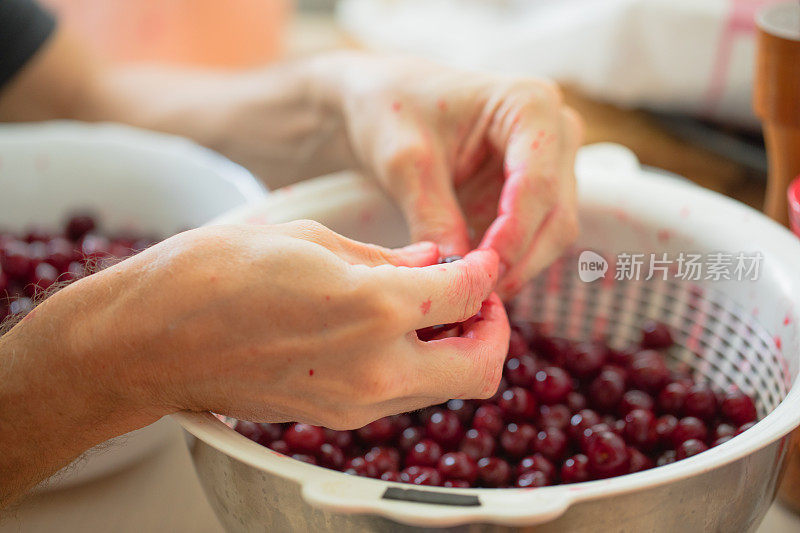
(309, 230)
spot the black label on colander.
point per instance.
(436, 498)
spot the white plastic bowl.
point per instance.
(134, 179)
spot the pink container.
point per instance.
(794, 205)
(230, 33)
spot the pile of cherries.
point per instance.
(32, 261)
(565, 412)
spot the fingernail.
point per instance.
(419, 248)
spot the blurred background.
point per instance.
(671, 79)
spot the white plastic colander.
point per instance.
(742, 333)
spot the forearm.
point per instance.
(57, 399)
(274, 120)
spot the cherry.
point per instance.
(310, 459)
(60, 252)
(341, 439)
(586, 359)
(723, 430)
(251, 430)
(635, 399)
(689, 428)
(538, 462)
(409, 437)
(648, 371)
(582, 420)
(516, 439)
(701, 402)
(270, 432)
(391, 476)
(421, 475)
(640, 428)
(738, 407)
(458, 465)
(457, 484)
(518, 404)
(672, 397)
(532, 478)
(576, 401)
(554, 349)
(359, 466)
(745, 427)
(656, 335)
(424, 453)
(517, 345)
(665, 426)
(493, 472)
(575, 469)
(608, 455)
(445, 428)
(463, 410)
(488, 418)
(383, 458)
(607, 388)
(552, 385)
(478, 443)
(405, 420)
(95, 247)
(304, 438)
(330, 456)
(639, 461)
(79, 225)
(378, 432)
(721, 440)
(666, 458)
(556, 416)
(14, 259)
(280, 446)
(551, 442)
(44, 276)
(521, 370)
(689, 448)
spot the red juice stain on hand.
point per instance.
(397, 106)
(310, 371)
(425, 307)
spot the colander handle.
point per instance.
(436, 507)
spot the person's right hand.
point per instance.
(293, 322)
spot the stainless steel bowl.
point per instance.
(730, 332)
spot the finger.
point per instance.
(417, 175)
(445, 293)
(469, 366)
(359, 253)
(560, 226)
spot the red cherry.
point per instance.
(421, 475)
(551, 442)
(538, 462)
(648, 371)
(586, 358)
(521, 370)
(656, 335)
(424, 453)
(493, 472)
(378, 432)
(556, 416)
(409, 437)
(359, 466)
(516, 439)
(635, 399)
(383, 458)
(304, 438)
(701, 402)
(552, 385)
(689, 448)
(518, 404)
(534, 478)
(607, 388)
(488, 418)
(689, 428)
(445, 428)
(738, 407)
(672, 397)
(79, 225)
(478, 443)
(608, 455)
(638, 461)
(458, 465)
(575, 469)
(330, 456)
(640, 429)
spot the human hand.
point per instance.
(472, 159)
(296, 322)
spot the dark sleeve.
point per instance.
(24, 27)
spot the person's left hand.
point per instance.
(472, 159)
